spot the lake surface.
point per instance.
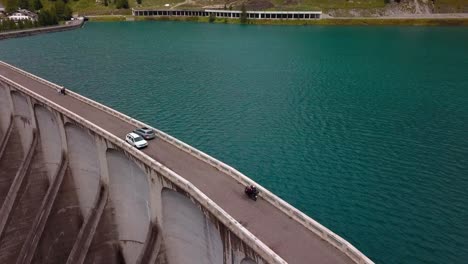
(365, 129)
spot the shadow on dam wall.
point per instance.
(67, 195)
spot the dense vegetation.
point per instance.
(8, 24)
(58, 7)
(49, 13)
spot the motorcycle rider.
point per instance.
(251, 190)
(62, 90)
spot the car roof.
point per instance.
(133, 135)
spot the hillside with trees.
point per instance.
(49, 13)
(336, 8)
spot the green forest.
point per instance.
(50, 14)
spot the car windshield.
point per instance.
(138, 139)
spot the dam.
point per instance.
(72, 191)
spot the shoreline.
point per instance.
(345, 21)
(40, 30)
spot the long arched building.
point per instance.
(288, 15)
(72, 191)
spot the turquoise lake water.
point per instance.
(365, 129)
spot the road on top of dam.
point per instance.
(288, 238)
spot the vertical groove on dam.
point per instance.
(63, 223)
(62, 227)
(4, 137)
(25, 209)
(9, 162)
(151, 243)
(104, 247)
(88, 229)
(37, 229)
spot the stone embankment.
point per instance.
(34, 31)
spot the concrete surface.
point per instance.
(126, 227)
(83, 166)
(130, 196)
(187, 230)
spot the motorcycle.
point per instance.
(61, 91)
(251, 192)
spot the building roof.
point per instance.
(27, 12)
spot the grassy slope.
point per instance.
(330, 22)
(91, 7)
(450, 6)
(326, 4)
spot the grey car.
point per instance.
(145, 132)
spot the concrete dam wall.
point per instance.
(73, 191)
(71, 195)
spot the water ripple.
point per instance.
(364, 129)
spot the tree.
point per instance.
(7, 24)
(23, 4)
(37, 4)
(28, 24)
(122, 4)
(43, 17)
(60, 9)
(106, 3)
(67, 13)
(212, 18)
(11, 24)
(48, 17)
(139, 2)
(11, 6)
(243, 16)
(20, 24)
